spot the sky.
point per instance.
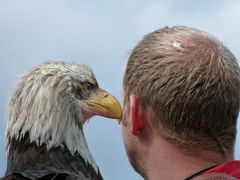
(100, 34)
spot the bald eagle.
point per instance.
(45, 114)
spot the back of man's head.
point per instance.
(191, 83)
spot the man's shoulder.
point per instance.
(215, 176)
(227, 171)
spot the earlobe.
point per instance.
(136, 115)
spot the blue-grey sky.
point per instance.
(100, 34)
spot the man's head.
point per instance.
(187, 84)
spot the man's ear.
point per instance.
(137, 115)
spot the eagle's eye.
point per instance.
(88, 87)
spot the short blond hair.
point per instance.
(191, 82)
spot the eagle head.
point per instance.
(52, 101)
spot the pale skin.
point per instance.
(153, 156)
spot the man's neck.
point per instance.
(168, 162)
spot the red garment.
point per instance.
(231, 168)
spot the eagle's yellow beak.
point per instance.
(104, 104)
